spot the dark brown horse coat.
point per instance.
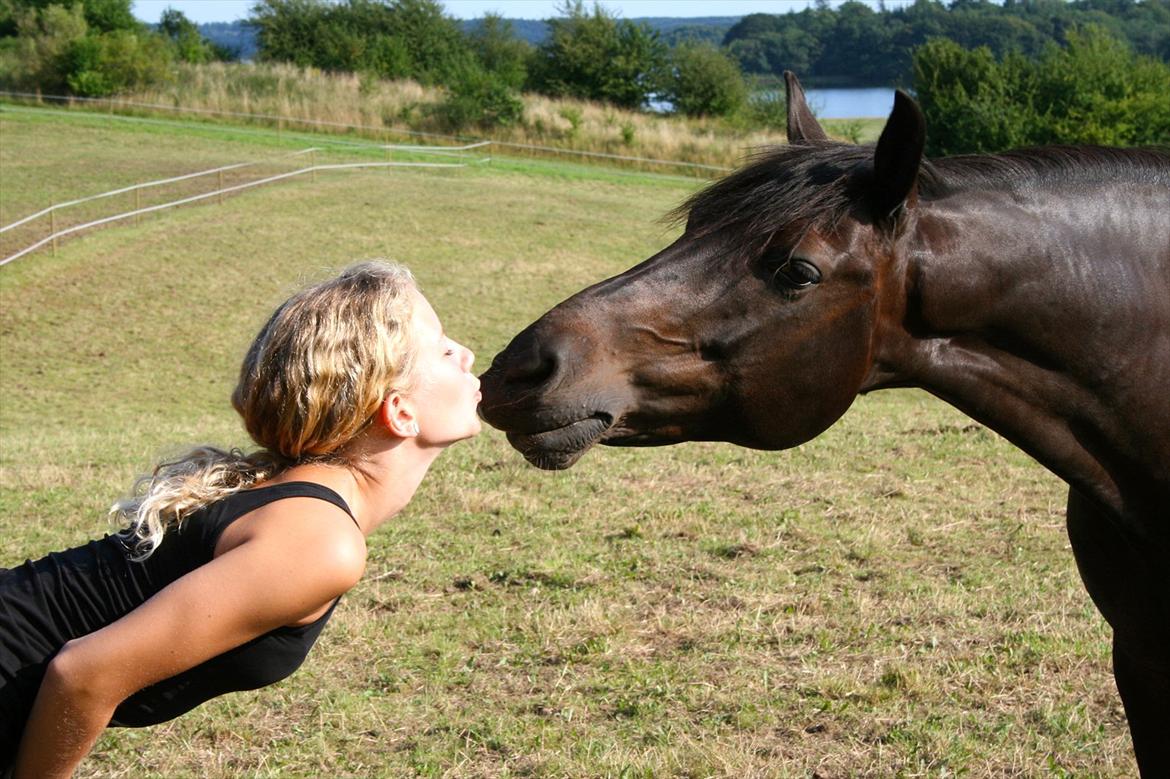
(1030, 289)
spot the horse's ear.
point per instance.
(898, 155)
(802, 125)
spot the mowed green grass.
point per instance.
(895, 598)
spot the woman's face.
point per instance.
(446, 392)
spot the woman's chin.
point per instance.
(472, 431)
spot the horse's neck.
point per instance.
(1030, 314)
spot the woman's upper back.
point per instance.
(64, 595)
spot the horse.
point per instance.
(1029, 289)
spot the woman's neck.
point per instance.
(381, 483)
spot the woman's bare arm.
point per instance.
(292, 563)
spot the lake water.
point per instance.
(833, 103)
(850, 103)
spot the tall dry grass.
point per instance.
(379, 107)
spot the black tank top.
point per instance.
(64, 595)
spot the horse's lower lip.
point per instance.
(560, 447)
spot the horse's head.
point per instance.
(757, 326)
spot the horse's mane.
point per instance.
(810, 184)
(1044, 166)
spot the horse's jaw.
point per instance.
(560, 447)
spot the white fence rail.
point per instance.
(56, 234)
(61, 206)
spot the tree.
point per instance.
(43, 37)
(190, 45)
(100, 15)
(703, 81)
(391, 38)
(970, 101)
(110, 15)
(437, 47)
(287, 30)
(1097, 90)
(1094, 90)
(499, 51)
(116, 61)
(598, 57)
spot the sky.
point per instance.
(202, 11)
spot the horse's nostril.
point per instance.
(529, 360)
(532, 366)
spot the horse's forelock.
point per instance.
(789, 188)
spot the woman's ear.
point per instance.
(397, 416)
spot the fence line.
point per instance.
(371, 128)
(224, 191)
(159, 182)
(325, 140)
(308, 135)
(604, 155)
(444, 150)
(214, 112)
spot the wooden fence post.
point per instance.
(53, 227)
(221, 187)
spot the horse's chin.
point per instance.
(560, 448)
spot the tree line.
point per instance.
(988, 76)
(855, 45)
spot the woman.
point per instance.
(232, 563)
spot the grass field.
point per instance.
(895, 598)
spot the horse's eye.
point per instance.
(797, 274)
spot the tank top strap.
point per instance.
(197, 540)
(240, 503)
(302, 489)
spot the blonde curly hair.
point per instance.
(311, 382)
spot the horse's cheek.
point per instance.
(809, 384)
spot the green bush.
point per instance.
(598, 57)
(767, 108)
(703, 81)
(393, 38)
(113, 62)
(44, 36)
(58, 49)
(480, 99)
(1092, 90)
(972, 103)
